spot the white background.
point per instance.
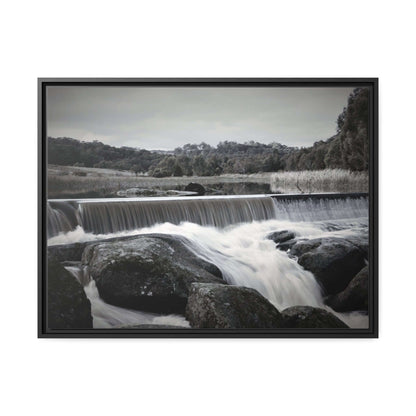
(207, 39)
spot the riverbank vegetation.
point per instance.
(70, 182)
(328, 180)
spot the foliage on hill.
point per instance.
(353, 131)
(191, 159)
(70, 152)
(348, 149)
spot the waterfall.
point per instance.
(242, 252)
(320, 208)
(105, 216)
(63, 216)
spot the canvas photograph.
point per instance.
(208, 208)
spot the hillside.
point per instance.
(348, 149)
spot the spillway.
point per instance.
(105, 216)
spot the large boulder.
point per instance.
(309, 317)
(152, 272)
(195, 187)
(333, 261)
(68, 306)
(221, 306)
(354, 297)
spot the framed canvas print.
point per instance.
(208, 207)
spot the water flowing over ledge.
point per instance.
(229, 232)
(105, 216)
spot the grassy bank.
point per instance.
(68, 181)
(328, 180)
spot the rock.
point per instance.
(73, 252)
(137, 191)
(222, 306)
(285, 240)
(68, 306)
(151, 272)
(309, 317)
(195, 187)
(281, 236)
(67, 252)
(302, 247)
(333, 261)
(354, 297)
(360, 242)
(287, 245)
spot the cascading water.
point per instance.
(247, 258)
(113, 215)
(229, 232)
(62, 217)
(320, 209)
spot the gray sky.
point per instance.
(167, 117)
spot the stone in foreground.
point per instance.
(228, 307)
(309, 317)
(354, 297)
(151, 272)
(68, 306)
(333, 261)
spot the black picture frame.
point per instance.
(371, 332)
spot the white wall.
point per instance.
(216, 38)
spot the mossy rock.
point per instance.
(220, 306)
(150, 272)
(309, 317)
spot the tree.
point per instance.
(199, 166)
(333, 157)
(354, 141)
(177, 170)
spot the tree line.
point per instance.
(347, 149)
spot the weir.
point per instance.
(104, 216)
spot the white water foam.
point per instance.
(246, 258)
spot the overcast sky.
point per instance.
(167, 117)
